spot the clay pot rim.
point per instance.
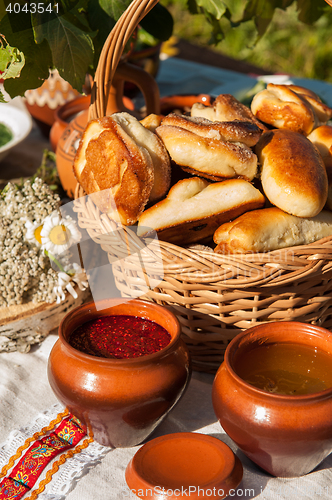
(119, 361)
(81, 102)
(252, 332)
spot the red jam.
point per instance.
(120, 337)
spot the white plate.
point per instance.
(19, 122)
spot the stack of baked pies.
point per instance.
(249, 180)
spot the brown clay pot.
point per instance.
(286, 435)
(42, 103)
(70, 122)
(123, 400)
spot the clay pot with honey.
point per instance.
(273, 396)
(122, 400)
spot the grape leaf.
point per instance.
(158, 22)
(38, 58)
(72, 48)
(2, 9)
(5, 57)
(114, 8)
(11, 62)
(2, 97)
(261, 11)
(214, 8)
(213, 12)
(102, 24)
(310, 11)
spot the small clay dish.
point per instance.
(183, 465)
(182, 103)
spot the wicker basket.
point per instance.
(214, 296)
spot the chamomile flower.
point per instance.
(33, 230)
(67, 280)
(58, 234)
(64, 283)
(79, 277)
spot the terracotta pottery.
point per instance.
(72, 118)
(148, 59)
(182, 465)
(182, 103)
(43, 102)
(122, 400)
(286, 435)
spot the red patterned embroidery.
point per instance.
(11, 490)
(41, 452)
(69, 431)
(80, 424)
(37, 457)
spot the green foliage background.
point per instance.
(289, 45)
(70, 39)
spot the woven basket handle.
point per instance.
(111, 54)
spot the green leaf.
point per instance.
(5, 57)
(72, 48)
(79, 11)
(2, 99)
(38, 58)
(158, 22)
(214, 9)
(114, 8)
(213, 12)
(217, 34)
(262, 11)
(192, 7)
(2, 9)
(11, 60)
(102, 24)
(15, 65)
(310, 11)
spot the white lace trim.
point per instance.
(69, 473)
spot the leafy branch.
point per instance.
(71, 36)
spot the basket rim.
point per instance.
(274, 268)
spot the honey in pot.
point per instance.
(273, 395)
(286, 368)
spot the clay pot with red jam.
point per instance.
(122, 400)
(273, 396)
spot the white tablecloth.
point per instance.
(25, 395)
(27, 402)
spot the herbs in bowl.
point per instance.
(15, 125)
(6, 134)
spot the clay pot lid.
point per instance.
(184, 463)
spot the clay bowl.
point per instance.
(182, 103)
(182, 465)
(121, 400)
(285, 434)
